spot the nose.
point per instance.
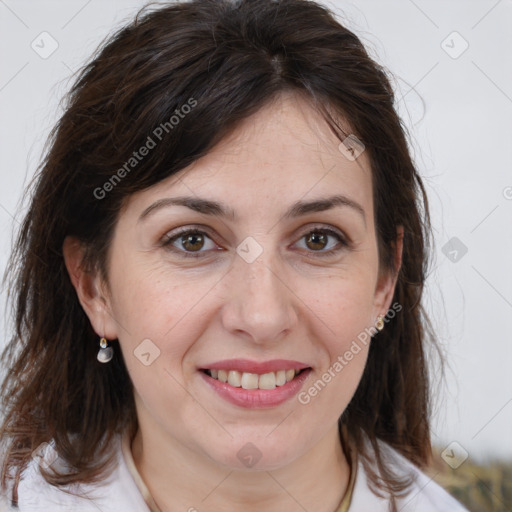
(260, 305)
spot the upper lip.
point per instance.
(248, 366)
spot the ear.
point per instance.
(90, 289)
(386, 282)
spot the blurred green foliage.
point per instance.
(479, 487)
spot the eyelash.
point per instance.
(168, 240)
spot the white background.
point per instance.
(459, 112)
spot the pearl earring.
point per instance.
(380, 323)
(105, 353)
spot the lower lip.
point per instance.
(257, 398)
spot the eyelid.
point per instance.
(344, 241)
(328, 229)
(168, 239)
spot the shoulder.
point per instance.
(117, 493)
(424, 495)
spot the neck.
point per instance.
(181, 479)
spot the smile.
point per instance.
(255, 385)
(246, 380)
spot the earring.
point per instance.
(380, 323)
(105, 353)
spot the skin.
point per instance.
(290, 303)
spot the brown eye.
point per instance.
(192, 242)
(189, 243)
(316, 240)
(323, 241)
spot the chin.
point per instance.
(250, 454)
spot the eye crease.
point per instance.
(316, 237)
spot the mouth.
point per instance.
(255, 385)
(248, 381)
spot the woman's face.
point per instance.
(278, 276)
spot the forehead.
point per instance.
(282, 153)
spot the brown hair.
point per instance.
(230, 58)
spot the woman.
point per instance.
(218, 281)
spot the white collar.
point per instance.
(119, 491)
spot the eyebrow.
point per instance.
(217, 209)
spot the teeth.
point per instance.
(268, 380)
(235, 378)
(249, 380)
(281, 378)
(252, 380)
(290, 374)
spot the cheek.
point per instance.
(163, 307)
(342, 310)
(343, 315)
(153, 302)
(344, 304)
(155, 317)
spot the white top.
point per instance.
(123, 490)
